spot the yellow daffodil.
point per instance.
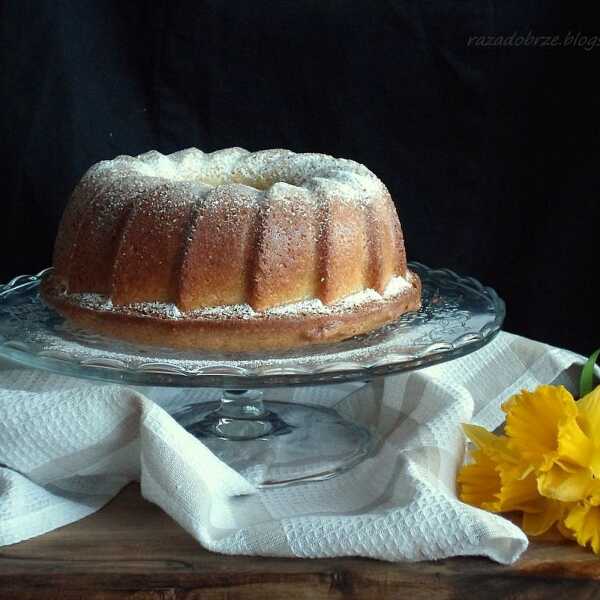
(536, 523)
(547, 426)
(519, 492)
(497, 480)
(480, 482)
(546, 465)
(589, 421)
(534, 420)
(584, 521)
(566, 486)
(565, 531)
(494, 446)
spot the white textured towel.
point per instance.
(67, 446)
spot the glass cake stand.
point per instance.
(256, 421)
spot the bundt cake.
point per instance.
(230, 250)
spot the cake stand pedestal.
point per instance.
(261, 425)
(272, 442)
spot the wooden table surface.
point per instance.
(131, 549)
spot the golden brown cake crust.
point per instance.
(203, 229)
(197, 231)
(233, 334)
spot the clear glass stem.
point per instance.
(242, 404)
(275, 442)
(241, 416)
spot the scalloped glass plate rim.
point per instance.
(224, 373)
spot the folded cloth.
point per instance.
(67, 446)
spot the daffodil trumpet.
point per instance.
(546, 464)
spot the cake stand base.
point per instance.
(274, 443)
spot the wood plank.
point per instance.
(131, 549)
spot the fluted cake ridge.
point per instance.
(231, 227)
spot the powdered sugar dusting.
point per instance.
(191, 195)
(458, 315)
(260, 170)
(396, 286)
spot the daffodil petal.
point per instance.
(494, 446)
(589, 407)
(595, 463)
(517, 493)
(589, 410)
(480, 483)
(574, 446)
(562, 485)
(565, 531)
(532, 422)
(537, 523)
(593, 497)
(584, 521)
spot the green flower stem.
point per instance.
(586, 381)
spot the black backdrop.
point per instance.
(491, 152)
